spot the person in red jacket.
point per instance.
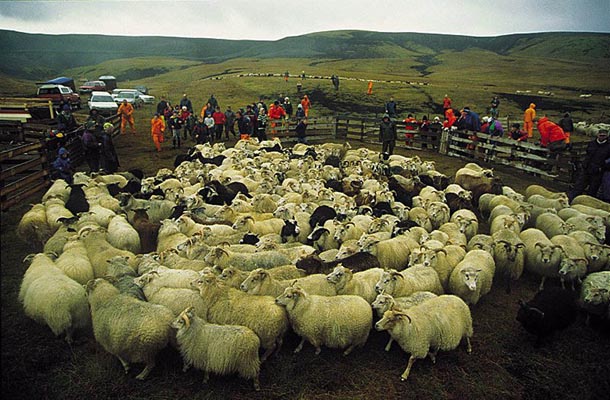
(275, 114)
(219, 122)
(551, 135)
(450, 118)
(446, 103)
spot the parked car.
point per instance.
(92, 86)
(142, 89)
(103, 103)
(131, 97)
(59, 95)
(147, 99)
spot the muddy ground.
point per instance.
(504, 363)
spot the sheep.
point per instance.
(171, 259)
(246, 223)
(441, 258)
(74, 262)
(132, 330)
(593, 211)
(55, 244)
(122, 277)
(541, 190)
(99, 250)
(245, 261)
(473, 276)
(233, 276)
(552, 225)
(440, 323)
(148, 231)
(359, 284)
(33, 226)
(595, 294)
(260, 283)
(521, 214)
(392, 253)
(41, 265)
(533, 213)
(509, 255)
(511, 222)
(225, 305)
(405, 283)
(596, 254)
(122, 235)
(421, 217)
(541, 201)
(573, 265)
(439, 213)
(550, 310)
(456, 236)
(55, 210)
(98, 214)
(477, 182)
(458, 198)
(342, 321)
(591, 201)
(592, 224)
(169, 236)
(542, 257)
(512, 193)
(221, 349)
(467, 222)
(481, 242)
(59, 189)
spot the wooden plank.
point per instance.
(6, 204)
(22, 167)
(28, 181)
(7, 154)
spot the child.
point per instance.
(516, 133)
(63, 166)
(175, 123)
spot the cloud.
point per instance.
(273, 20)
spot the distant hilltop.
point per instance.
(37, 56)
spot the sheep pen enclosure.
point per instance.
(504, 363)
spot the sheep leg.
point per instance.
(257, 385)
(186, 366)
(318, 350)
(541, 287)
(149, 366)
(563, 285)
(206, 377)
(349, 349)
(300, 346)
(432, 354)
(468, 345)
(69, 338)
(389, 345)
(268, 352)
(125, 365)
(405, 374)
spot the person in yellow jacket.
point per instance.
(528, 120)
(126, 112)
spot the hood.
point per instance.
(542, 120)
(62, 151)
(532, 105)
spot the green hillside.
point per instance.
(37, 56)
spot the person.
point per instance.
(390, 108)
(212, 102)
(300, 114)
(516, 133)
(306, 104)
(335, 81)
(300, 131)
(157, 128)
(126, 112)
(91, 149)
(299, 87)
(595, 164)
(528, 120)
(495, 103)
(494, 127)
(219, 123)
(200, 131)
(185, 116)
(252, 114)
(65, 120)
(161, 106)
(567, 125)
(244, 125)
(206, 110)
(186, 102)
(411, 126)
(424, 126)
(369, 89)
(446, 104)
(286, 75)
(175, 124)
(551, 135)
(208, 121)
(387, 136)
(276, 113)
(262, 124)
(109, 159)
(62, 166)
(288, 107)
(95, 122)
(230, 122)
(469, 120)
(450, 118)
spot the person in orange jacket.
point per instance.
(551, 135)
(306, 104)
(446, 103)
(528, 119)
(450, 118)
(369, 89)
(157, 127)
(276, 113)
(126, 112)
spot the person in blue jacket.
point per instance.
(62, 166)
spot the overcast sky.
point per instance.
(276, 19)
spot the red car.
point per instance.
(92, 86)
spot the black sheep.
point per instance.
(320, 215)
(550, 310)
(249, 238)
(77, 201)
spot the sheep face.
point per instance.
(470, 277)
(391, 319)
(383, 303)
(387, 282)
(509, 250)
(183, 321)
(547, 253)
(596, 296)
(571, 269)
(290, 297)
(339, 277)
(254, 281)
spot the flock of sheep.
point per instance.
(220, 257)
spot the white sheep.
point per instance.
(122, 235)
(74, 262)
(439, 323)
(552, 225)
(132, 330)
(100, 251)
(220, 349)
(409, 281)
(592, 224)
(392, 253)
(596, 254)
(467, 221)
(595, 294)
(439, 213)
(573, 265)
(342, 322)
(233, 276)
(358, 284)
(225, 305)
(33, 226)
(169, 236)
(542, 257)
(591, 201)
(55, 211)
(260, 283)
(473, 276)
(246, 223)
(41, 264)
(541, 201)
(59, 189)
(481, 242)
(246, 261)
(509, 255)
(511, 221)
(456, 236)
(441, 258)
(541, 190)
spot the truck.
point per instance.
(59, 95)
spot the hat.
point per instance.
(59, 135)
(286, 98)
(485, 119)
(300, 106)
(66, 107)
(184, 108)
(108, 125)
(62, 150)
(385, 116)
(602, 132)
(437, 119)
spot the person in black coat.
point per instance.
(595, 163)
(109, 159)
(387, 136)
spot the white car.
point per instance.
(146, 99)
(131, 97)
(103, 103)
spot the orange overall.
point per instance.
(126, 112)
